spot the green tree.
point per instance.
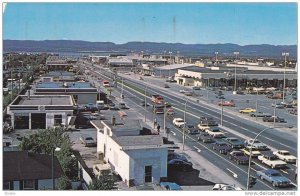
(64, 183)
(104, 182)
(45, 140)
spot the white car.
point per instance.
(257, 145)
(178, 122)
(285, 156)
(226, 187)
(215, 132)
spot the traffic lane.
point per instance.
(239, 124)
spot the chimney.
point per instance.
(113, 120)
(28, 94)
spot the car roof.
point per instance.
(270, 171)
(178, 119)
(283, 151)
(172, 185)
(267, 153)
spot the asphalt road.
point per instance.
(240, 127)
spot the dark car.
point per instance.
(239, 157)
(222, 147)
(113, 108)
(234, 142)
(143, 104)
(191, 129)
(271, 119)
(174, 155)
(206, 138)
(180, 165)
(168, 105)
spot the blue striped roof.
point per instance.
(60, 85)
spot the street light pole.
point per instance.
(256, 104)
(274, 115)
(221, 112)
(165, 113)
(146, 103)
(250, 155)
(285, 54)
(184, 119)
(236, 53)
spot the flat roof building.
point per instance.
(40, 111)
(138, 159)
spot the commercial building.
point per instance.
(225, 76)
(56, 63)
(40, 111)
(82, 92)
(138, 159)
(57, 76)
(24, 170)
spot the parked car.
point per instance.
(226, 187)
(87, 141)
(172, 186)
(257, 145)
(191, 129)
(239, 157)
(227, 103)
(278, 105)
(247, 110)
(196, 88)
(174, 155)
(180, 165)
(183, 91)
(234, 142)
(220, 97)
(285, 156)
(222, 147)
(255, 153)
(188, 93)
(178, 122)
(271, 119)
(166, 86)
(273, 177)
(293, 111)
(205, 138)
(259, 114)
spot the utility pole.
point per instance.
(184, 125)
(285, 54)
(165, 113)
(221, 112)
(274, 115)
(256, 104)
(145, 103)
(122, 95)
(234, 92)
(216, 53)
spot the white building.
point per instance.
(138, 159)
(40, 111)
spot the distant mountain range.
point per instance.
(263, 50)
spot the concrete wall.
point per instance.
(87, 98)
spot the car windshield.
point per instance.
(234, 140)
(89, 138)
(276, 174)
(222, 144)
(180, 121)
(285, 153)
(215, 130)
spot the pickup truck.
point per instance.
(215, 132)
(239, 157)
(271, 160)
(273, 177)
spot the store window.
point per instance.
(6, 185)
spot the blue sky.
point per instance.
(239, 23)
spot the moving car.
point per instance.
(271, 160)
(170, 112)
(278, 105)
(273, 177)
(271, 119)
(257, 145)
(180, 165)
(123, 106)
(255, 153)
(215, 132)
(293, 111)
(234, 142)
(183, 91)
(172, 186)
(259, 114)
(143, 104)
(247, 110)
(178, 122)
(285, 156)
(205, 138)
(226, 187)
(239, 157)
(166, 86)
(191, 129)
(222, 147)
(87, 140)
(188, 93)
(227, 103)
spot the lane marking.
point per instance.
(198, 150)
(234, 174)
(173, 132)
